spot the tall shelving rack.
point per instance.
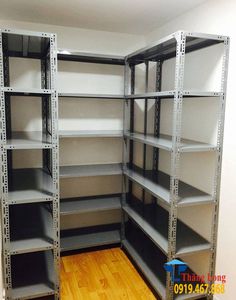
(86, 237)
(30, 196)
(161, 237)
(150, 229)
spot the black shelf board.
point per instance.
(71, 55)
(153, 221)
(158, 184)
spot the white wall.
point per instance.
(217, 17)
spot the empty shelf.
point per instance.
(91, 96)
(165, 142)
(156, 283)
(82, 241)
(30, 185)
(165, 48)
(32, 275)
(22, 43)
(154, 223)
(31, 228)
(89, 204)
(26, 92)
(171, 94)
(28, 140)
(90, 133)
(158, 184)
(90, 170)
(30, 245)
(71, 55)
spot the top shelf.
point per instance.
(166, 48)
(71, 55)
(28, 44)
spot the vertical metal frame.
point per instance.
(218, 161)
(157, 114)
(125, 154)
(4, 181)
(175, 153)
(51, 74)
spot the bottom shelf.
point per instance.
(32, 275)
(150, 260)
(90, 237)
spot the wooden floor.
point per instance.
(101, 275)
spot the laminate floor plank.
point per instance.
(102, 275)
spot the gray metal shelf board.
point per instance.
(89, 240)
(26, 91)
(32, 291)
(161, 190)
(90, 133)
(165, 48)
(84, 205)
(22, 43)
(91, 96)
(30, 185)
(154, 279)
(90, 170)
(171, 94)
(165, 142)
(30, 245)
(71, 55)
(28, 140)
(156, 282)
(188, 241)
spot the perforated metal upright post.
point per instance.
(4, 184)
(218, 161)
(125, 159)
(175, 153)
(55, 159)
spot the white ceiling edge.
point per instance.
(124, 16)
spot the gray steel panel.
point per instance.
(30, 245)
(90, 170)
(80, 205)
(26, 91)
(90, 133)
(165, 142)
(32, 291)
(161, 190)
(72, 55)
(29, 140)
(171, 94)
(165, 48)
(154, 280)
(30, 185)
(91, 96)
(188, 241)
(89, 240)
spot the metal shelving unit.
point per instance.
(30, 210)
(74, 239)
(30, 197)
(160, 236)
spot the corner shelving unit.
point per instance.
(151, 232)
(81, 238)
(30, 196)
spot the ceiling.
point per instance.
(128, 16)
